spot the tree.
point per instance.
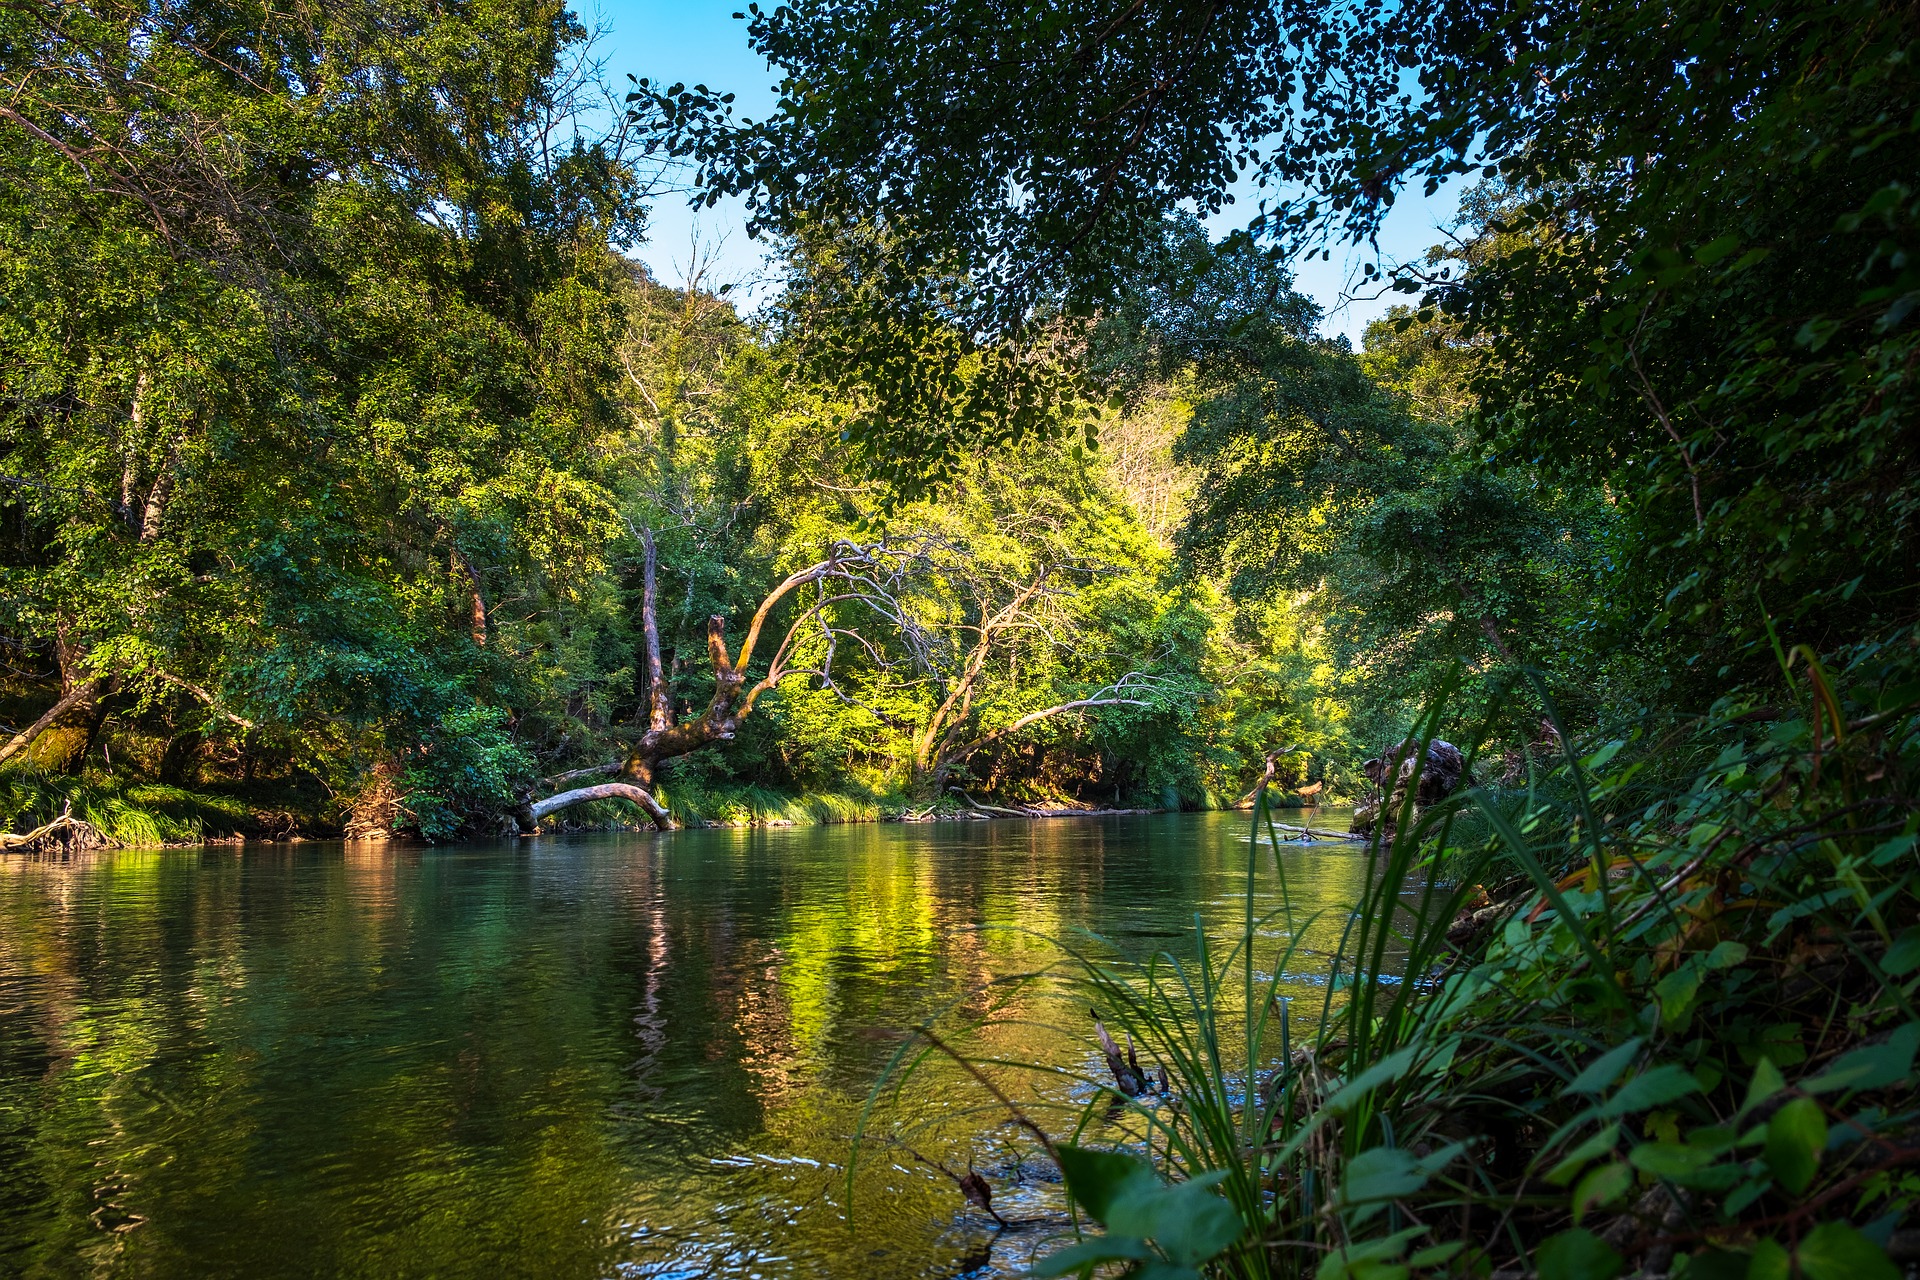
(848, 575)
(1707, 304)
(1001, 617)
(294, 367)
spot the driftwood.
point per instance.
(1127, 1075)
(1319, 833)
(65, 834)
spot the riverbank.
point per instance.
(156, 815)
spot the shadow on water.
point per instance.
(623, 1055)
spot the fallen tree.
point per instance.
(849, 575)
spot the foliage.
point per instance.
(1687, 1033)
(1692, 283)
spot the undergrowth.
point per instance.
(137, 814)
(1654, 1013)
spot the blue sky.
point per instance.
(698, 41)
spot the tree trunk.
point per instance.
(79, 695)
(481, 618)
(130, 471)
(531, 813)
(659, 694)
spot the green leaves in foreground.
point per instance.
(1166, 1230)
(1578, 1255)
(1795, 1137)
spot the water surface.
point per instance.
(629, 1055)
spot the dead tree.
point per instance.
(849, 575)
(961, 661)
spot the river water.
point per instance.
(620, 1055)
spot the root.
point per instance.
(65, 834)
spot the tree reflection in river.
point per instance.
(635, 1055)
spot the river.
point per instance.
(619, 1055)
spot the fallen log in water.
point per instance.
(1320, 833)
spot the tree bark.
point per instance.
(156, 508)
(574, 775)
(79, 695)
(481, 616)
(129, 472)
(659, 694)
(530, 816)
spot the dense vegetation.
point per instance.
(337, 428)
(354, 478)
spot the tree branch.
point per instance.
(955, 754)
(539, 809)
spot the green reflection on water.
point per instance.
(622, 1055)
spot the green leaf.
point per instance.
(1676, 992)
(1904, 955)
(1714, 1137)
(1598, 1145)
(1096, 1250)
(1736, 1203)
(1767, 1081)
(1187, 1221)
(1156, 1269)
(1095, 1178)
(1606, 1068)
(1669, 1159)
(1714, 250)
(1835, 1251)
(1871, 1067)
(1651, 1089)
(1577, 1255)
(1388, 1068)
(1795, 1137)
(1726, 955)
(1379, 1174)
(1369, 1259)
(1768, 1262)
(1436, 1254)
(1601, 1188)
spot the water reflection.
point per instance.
(631, 1055)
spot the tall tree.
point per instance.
(1709, 307)
(298, 307)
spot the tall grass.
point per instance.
(138, 815)
(1684, 1042)
(749, 804)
